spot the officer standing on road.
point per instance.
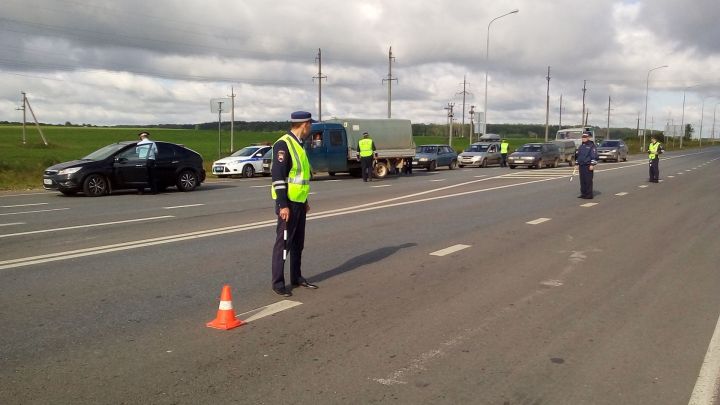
(290, 188)
(146, 149)
(586, 158)
(366, 148)
(654, 150)
(504, 145)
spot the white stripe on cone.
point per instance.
(225, 305)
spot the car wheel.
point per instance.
(187, 180)
(381, 170)
(483, 163)
(331, 173)
(571, 163)
(453, 165)
(248, 171)
(432, 166)
(540, 164)
(95, 185)
(512, 166)
(556, 163)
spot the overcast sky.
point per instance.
(147, 62)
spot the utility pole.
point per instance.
(390, 79)
(472, 127)
(583, 117)
(560, 123)
(26, 103)
(587, 113)
(450, 119)
(320, 77)
(220, 103)
(608, 127)
(24, 116)
(232, 117)
(464, 83)
(547, 106)
(638, 125)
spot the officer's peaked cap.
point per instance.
(301, 116)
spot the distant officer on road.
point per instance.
(147, 149)
(586, 158)
(290, 188)
(366, 148)
(504, 145)
(655, 148)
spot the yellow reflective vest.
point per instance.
(298, 181)
(365, 146)
(504, 147)
(653, 150)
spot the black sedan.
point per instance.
(118, 166)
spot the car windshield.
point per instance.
(530, 148)
(426, 149)
(105, 152)
(477, 148)
(268, 154)
(245, 151)
(610, 144)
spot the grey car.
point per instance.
(537, 155)
(480, 154)
(431, 157)
(613, 150)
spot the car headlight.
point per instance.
(476, 158)
(423, 159)
(69, 170)
(613, 151)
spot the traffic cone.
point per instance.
(225, 318)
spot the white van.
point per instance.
(575, 134)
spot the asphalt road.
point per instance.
(540, 300)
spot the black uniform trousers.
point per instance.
(295, 226)
(366, 165)
(654, 170)
(586, 181)
(503, 160)
(150, 165)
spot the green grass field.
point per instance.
(21, 166)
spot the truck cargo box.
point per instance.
(388, 133)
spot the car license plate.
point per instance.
(266, 165)
(48, 182)
(415, 163)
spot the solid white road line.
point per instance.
(671, 177)
(18, 195)
(706, 387)
(382, 185)
(84, 226)
(267, 310)
(439, 180)
(587, 205)
(13, 223)
(680, 173)
(263, 186)
(182, 206)
(448, 250)
(621, 194)
(34, 212)
(537, 221)
(482, 175)
(22, 205)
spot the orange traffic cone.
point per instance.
(225, 318)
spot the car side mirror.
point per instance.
(120, 160)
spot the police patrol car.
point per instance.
(246, 162)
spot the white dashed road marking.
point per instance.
(84, 226)
(267, 310)
(621, 194)
(589, 204)
(552, 283)
(265, 185)
(34, 212)
(643, 186)
(451, 249)
(671, 177)
(537, 221)
(183, 206)
(22, 205)
(13, 223)
(382, 185)
(439, 180)
(482, 175)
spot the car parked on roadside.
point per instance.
(118, 166)
(245, 162)
(537, 155)
(567, 151)
(266, 162)
(480, 154)
(614, 149)
(431, 157)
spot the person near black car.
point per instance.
(586, 158)
(504, 145)
(146, 149)
(654, 150)
(290, 188)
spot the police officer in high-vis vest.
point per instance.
(504, 145)
(654, 150)
(290, 188)
(366, 149)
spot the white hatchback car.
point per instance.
(246, 162)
